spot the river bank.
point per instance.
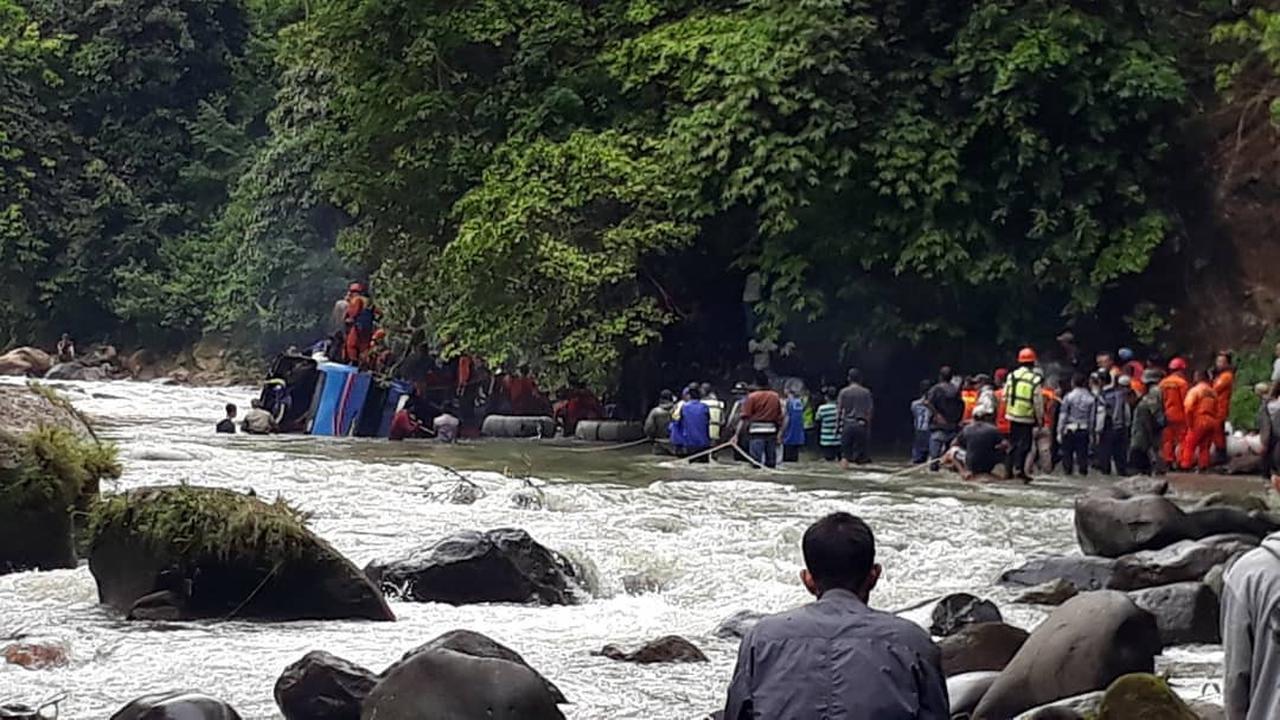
(709, 541)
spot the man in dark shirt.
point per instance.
(978, 448)
(948, 409)
(854, 408)
(837, 657)
(227, 425)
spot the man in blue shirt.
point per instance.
(694, 424)
(921, 416)
(836, 657)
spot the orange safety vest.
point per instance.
(970, 399)
(1050, 407)
(1222, 387)
(1201, 404)
(1174, 390)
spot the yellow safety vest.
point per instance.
(1020, 393)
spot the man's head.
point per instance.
(830, 394)
(694, 393)
(255, 404)
(707, 390)
(1001, 374)
(1201, 376)
(924, 387)
(1222, 361)
(855, 376)
(945, 374)
(666, 396)
(66, 337)
(1079, 381)
(840, 553)
(761, 380)
(1105, 360)
(231, 410)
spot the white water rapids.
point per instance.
(715, 540)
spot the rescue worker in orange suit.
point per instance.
(379, 357)
(1002, 420)
(969, 396)
(1201, 405)
(1224, 380)
(360, 319)
(1173, 390)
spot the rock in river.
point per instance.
(504, 565)
(321, 686)
(1183, 561)
(1111, 527)
(1142, 695)
(1084, 645)
(669, 649)
(217, 553)
(469, 642)
(1185, 612)
(1085, 573)
(177, 706)
(960, 609)
(984, 646)
(966, 690)
(1054, 592)
(440, 683)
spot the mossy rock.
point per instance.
(48, 477)
(217, 553)
(1142, 697)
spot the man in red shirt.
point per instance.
(405, 424)
(762, 420)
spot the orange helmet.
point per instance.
(1026, 355)
(1177, 364)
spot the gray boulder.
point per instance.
(177, 706)
(1083, 646)
(980, 647)
(960, 609)
(669, 649)
(1185, 612)
(1111, 527)
(1054, 592)
(1079, 707)
(1183, 561)
(1085, 573)
(78, 371)
(442, 684)
(321, 686)
(479, 645)
(504, 565)
(966, 690)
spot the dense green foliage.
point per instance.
(564, 183)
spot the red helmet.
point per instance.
(356, 287)
(1177, 364)
(1027, 355)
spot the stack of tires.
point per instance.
(610, 431)
(518, 426)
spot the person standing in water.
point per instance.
(793, 433)
(921, 417)
(1024, 409)
(762, 422)
(856, 410)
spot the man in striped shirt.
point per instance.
(829, 426)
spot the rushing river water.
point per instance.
(712, 540)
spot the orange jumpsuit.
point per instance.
(1174, 390)
(970, 400)
(1222, 387)
(1002, 420)
(1202, 417)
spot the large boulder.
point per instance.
(46, 475)
(1184, 561)
(1111, 527)
(321, 686)
(442, 684)
(469, 642)
(668, 649)
(1085, 573)
(960, 609)
(1079, 707)
(1142, 696)
(965, 691)
(177, 706)
(78, 371)
(211, 552)
(504, 565)
(980, 647)
(1084, 645)
(28, 361)
(1185, 612)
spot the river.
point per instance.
(713, 540)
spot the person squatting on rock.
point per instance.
(836, 657)
(1251, 634)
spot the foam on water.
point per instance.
(713, 541)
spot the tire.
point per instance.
(610, 431)
(518, 426)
